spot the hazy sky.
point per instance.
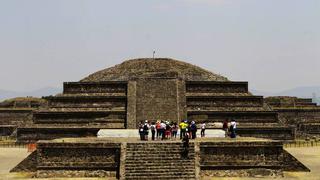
(273, 44)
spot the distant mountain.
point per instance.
(4, 94)
(303, 92)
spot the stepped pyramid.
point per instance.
(135, 90)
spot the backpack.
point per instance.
(145, 127)
(231, 128)
(153, 128)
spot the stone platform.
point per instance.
(134, 133)
(130, 158)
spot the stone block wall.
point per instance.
(207, 102)
(15, 117)
(245, 155)
(243, 118)
(33, 134)
(94, 87)
(216, 87)
(158, 99)
(110, 102)
(102, 118)
(78, 159)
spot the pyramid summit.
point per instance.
(153, 67)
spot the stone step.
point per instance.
(157, 149)
(180, 177)
(159, 174)
(150, 158)
(152, 144)
(190, 169)
(157, 152)
(158, 163)
(163, 167)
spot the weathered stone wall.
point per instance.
(15, 117)
(94, 87)
(47, 133)
(158, 99)
(245, 155)
(110, 102)
(276, 132)
(216, 87)
(7, 130)
(298, 116)
(94, 117)
(132, 105)
(209, 102)
(241, 117)
(307, 121)
(62, 159)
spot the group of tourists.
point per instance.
(161, 130)
(169, 130)
(231, 129)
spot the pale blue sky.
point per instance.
(273, 44)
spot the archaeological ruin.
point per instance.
(150, 89)
(120, 97)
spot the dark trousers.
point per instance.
(182, 133)
(174, 134)
(194, 134)
(153, 134)
(233, 134)
(141, 136)
(158, 133)
(163, 133)
(202, 132)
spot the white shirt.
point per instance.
(203, 126)
(234, 124)
(163, 126)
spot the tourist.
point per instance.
(141, 132)
(203, 128)
(158, 128)
(193, 130)
(162, 130)
(153, 130)
(183, 128)
(174, 130)
(225, 127)
(146, 130)
(168, 130)
(185, 146)
(233, 127)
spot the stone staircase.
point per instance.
(159, 160)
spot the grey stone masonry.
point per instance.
(159, 160)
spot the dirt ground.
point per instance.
(310, 156)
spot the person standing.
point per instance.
(141, 132)
(163, 130)
(158, 128)
(168, 130)
(203, 128)
(193, 129)
(146, 130)
(153, 130)
(183, 126)
(174, 130)
(185, 146)
(233, 127)
(225, 127)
